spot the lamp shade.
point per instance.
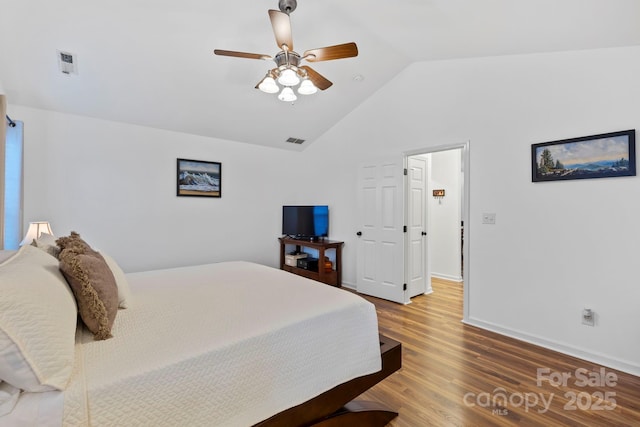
(35, 230)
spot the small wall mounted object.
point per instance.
(597, 156)
(439, 195)
(199, 178)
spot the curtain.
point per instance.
(3, 139)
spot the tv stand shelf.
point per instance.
(333, 278)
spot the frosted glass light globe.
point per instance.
(288, 77)
(268, 85)
(287, 95)
(307, 88)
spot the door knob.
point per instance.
(424, 233)
(359, 233)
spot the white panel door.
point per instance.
(419, 279)
(380, 258)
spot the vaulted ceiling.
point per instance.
(151, 62)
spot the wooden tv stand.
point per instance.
(333, 278)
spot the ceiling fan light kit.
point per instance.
(287, 95)
(307, 88)
(288, 72)
(268, 84)
(288, 77)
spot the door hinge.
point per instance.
(405, 171)
(404, 287)
(404, 228)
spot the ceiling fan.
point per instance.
(288, 72)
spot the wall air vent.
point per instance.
(67, 62)
(295, 140)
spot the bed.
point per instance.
(228, 344)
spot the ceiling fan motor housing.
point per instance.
(287, 58)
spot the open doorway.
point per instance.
(437, 206)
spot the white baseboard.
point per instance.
(349, 285)
(447, 277)
(601, 359)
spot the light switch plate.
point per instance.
(488, 218)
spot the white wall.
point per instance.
(556, 247)
(444, 214)
(115, 184)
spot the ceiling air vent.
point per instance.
(295, 140)
(67, 62)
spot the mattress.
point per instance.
(226, 344)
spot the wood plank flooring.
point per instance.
(458, 375)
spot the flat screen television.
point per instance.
(305, 222)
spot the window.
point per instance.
(13, 186)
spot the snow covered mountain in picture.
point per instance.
(602, 165)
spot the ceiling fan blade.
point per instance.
(241, 54)
(281, 28)
(339, 51)
(318, 80)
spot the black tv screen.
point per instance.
(305, 221)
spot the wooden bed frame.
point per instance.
(336, 407)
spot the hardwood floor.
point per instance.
(453, 374)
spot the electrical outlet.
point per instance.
(588, 317)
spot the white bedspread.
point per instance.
(226, 344)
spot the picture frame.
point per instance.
(198, 178)
(596, 156)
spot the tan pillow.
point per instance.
(73, 239)
(93, 285)
(124, 294)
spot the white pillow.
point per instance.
(47, 243)
(124, 293)
(38, 316)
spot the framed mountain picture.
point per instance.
(596, 156)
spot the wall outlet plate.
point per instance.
(588, 317)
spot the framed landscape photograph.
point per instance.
(199, 178)
(596, 156)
